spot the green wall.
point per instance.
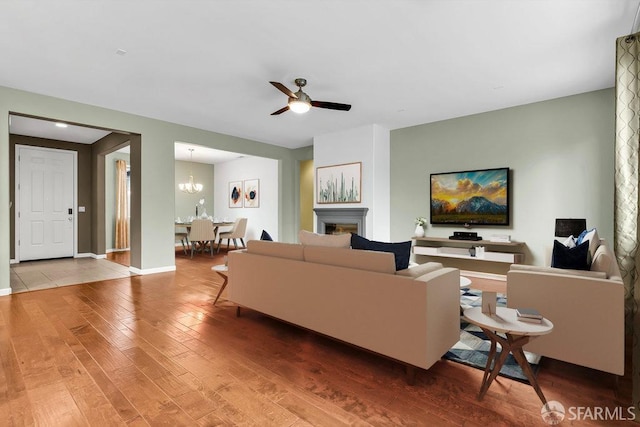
(152, 163)
(561, 155)
(185, 202)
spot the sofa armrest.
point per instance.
(419, 269)
(561, 271)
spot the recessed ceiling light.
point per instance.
(61, 125)
(121, 52)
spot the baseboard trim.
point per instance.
(5, 291)
(117, 250)
(90, 255)
(145, 271)
(78, 255)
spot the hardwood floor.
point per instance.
(153, 350)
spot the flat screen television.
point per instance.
(474, 197)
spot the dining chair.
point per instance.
(203, 233)
(237, 232)
(183, 236)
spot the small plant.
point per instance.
(421, 221)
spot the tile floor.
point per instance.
(35, 275)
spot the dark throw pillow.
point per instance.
(401, 251)
(574, 258)
(266, 236)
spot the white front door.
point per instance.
(45, 195)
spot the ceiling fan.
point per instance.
(299, 102)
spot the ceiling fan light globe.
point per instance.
(299, 107)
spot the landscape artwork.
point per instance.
(339, 184)
(252, 193)
(479, 197)
(235, 194)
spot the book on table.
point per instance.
(529, 319)
(528, 313)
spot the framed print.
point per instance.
(235, 194)
(339, 183)
(251, 193)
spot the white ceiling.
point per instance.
(203, 154)
(28, 126)
(398, 62)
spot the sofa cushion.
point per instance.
(380, 262)
(573, 258)
(276, 249)
(563, 271)
(419, 269)
(401, 251)
(331, 240)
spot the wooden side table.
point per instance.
(517, 333)
(223, 271)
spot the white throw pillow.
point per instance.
(570, 242)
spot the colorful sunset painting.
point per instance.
(478, 197)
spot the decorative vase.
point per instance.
(419, 231)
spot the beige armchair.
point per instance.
(237, 232)
(586, 308)
(202, 232)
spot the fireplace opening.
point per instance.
(341, 220)
(337, 228)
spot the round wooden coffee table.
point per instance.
(518, 333)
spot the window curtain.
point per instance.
(122, 206)
(627, 181)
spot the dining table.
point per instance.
(216, 226)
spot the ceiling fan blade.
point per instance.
(331, 105)
(280, 111)
(282, 88)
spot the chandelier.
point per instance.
(190, 187)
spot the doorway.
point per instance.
(89, 145)
(306, 195)
(117, 192)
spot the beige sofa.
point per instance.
(586, 308)
(355, 296)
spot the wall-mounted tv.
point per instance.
(475, 197)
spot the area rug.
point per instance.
(473, 347)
